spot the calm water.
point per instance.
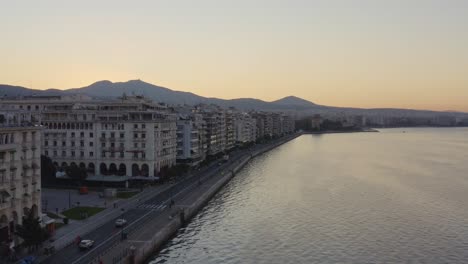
(388, 197)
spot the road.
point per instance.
(108, 235)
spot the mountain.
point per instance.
(294, 101)
(292, 104)
(157, 93)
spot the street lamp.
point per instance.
(122, 217)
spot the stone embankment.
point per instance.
(181, 214)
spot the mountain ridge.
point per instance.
(108, 89)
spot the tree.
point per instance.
(31, 231)
(48, 170)
(75, 172)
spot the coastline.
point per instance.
(151, 236)
(366, 130)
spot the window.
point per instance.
(82, 154)
(121, 144)
(82, 143)
(82, 134)
(91, 134)
(73, 153)
(143, 145)
(135, 154)
(55, 153)
(55, 143)
(143, 135)
(121, 135)
(46, 153)
(143, 126)
(135, 135)
(103, 144)
(64, 153)
(135, 145)
(73, 134)
(112, 135)
(135, 126)
(73, 143)
(112, 155)
(91, 154)
(91, 144)
(103, 135)
(46, 143)
(112, 144)
(64, 143)
(143, 154)
(103, 154)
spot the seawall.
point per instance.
(185, 213)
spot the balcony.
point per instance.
(4, 183)
(35, 179)
(26, 198)
(36, 196)
(5, 205)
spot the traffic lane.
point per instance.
(99, 235)
(90, 255)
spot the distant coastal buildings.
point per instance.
(134, 138)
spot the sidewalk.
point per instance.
(67, 234)
(149, 234)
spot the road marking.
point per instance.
(111, 237)
(164, 202)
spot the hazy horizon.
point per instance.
(366, 54)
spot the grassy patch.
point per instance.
(52, 215)
(78, 213)
(125, 195)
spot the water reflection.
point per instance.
(386, 197)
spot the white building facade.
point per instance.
(20, 180)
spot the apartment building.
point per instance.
(20, 180)
(129, 137)
(215, 119)
(191, 138)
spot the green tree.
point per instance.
(31, 232)
(48, 170)
(75, 172)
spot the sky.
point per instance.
(355, 53)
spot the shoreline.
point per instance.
(164, 228)
(367, 130)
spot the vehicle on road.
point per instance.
(86, 244)
(120, 222)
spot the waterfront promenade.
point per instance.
(152, 220)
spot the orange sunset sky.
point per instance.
(363, 53)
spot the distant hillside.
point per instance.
(299, 106)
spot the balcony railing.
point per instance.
(4, 205)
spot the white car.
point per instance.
(120, 222)
(86, 244)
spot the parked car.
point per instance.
(120, 222)
(86, 244)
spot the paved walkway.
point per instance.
(143, 236)
(66, 235)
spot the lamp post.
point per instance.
(122, 217)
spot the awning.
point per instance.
(5, 194)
